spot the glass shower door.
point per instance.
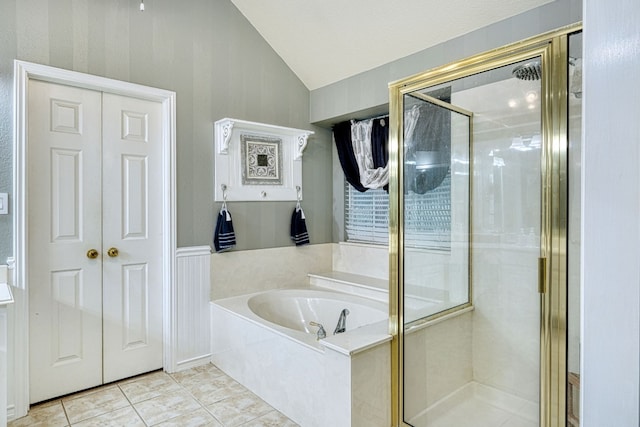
(471, 222)
(436, 206)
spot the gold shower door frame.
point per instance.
(552, 49)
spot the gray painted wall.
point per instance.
(218, 65)
(367, 93)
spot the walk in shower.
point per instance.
(482, 145)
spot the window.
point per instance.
(366, 215)
(427, 217)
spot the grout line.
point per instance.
(132, 405)
(65, 413)
(183, 388)
(202, 405)
(64, 409)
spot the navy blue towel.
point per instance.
(224, 237)
(299, 232)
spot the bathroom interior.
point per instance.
(474, 351)
(474, 228)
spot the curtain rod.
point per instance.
(373, 118)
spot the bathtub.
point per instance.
(265, 342)
(291, 311)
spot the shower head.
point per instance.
(528, 71)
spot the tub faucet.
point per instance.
(321, 332)
(342, 322)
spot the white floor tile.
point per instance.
(199, 397)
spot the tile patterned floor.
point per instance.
(202, 396)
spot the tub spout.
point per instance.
(321, 332)
(342, 322)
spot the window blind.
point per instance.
(366, 216)
(427, 222)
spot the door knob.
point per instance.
(92, 254)
(112, 252)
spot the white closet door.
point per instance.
(94, 168)
(132, 224)
(64, 223)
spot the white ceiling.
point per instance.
(324, 41)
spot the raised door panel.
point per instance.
(64, 211)
(135, 310)
(66, 195)
(135, 183)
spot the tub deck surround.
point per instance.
(422, 303)
(365, 286)
(371, 328)
(301, 376)
(368, 336)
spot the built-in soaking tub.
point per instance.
(265, 342)
(298, 311)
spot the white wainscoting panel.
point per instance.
(193, 284)
(4, 352)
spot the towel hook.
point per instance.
(298, 196)
(224, 196)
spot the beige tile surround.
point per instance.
(273, 268)
(201, 396)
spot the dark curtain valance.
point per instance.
(380, 144)
(379, 148)
(342, 138)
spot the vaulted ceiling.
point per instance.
(324, 41)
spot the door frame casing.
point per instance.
(23, 72)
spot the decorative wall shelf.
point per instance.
(257, 161)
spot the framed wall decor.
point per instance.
(257, 161)
(261, 159)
